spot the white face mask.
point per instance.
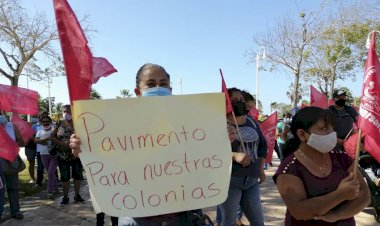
(322, 143)
(66, 117)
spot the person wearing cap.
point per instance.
(344, 116)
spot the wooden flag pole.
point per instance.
(357, 154)
(348, 134)
(237, 128)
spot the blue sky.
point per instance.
(191, 39)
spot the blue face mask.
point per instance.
(156, 91)
(2, 119)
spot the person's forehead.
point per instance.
(236, 95)
(155, 74)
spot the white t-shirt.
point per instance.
(42, 134)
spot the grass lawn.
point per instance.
(26, 189)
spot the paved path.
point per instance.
(40, 211)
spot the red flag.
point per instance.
(254, 113)
(25, 129)
(225, 91)
(23, 101)
(317, 99)
(8, 147)
(101, 67)
(268, 127)
(79, 62)
(331, 102)
(369, 112)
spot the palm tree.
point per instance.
(95, 95)
(124, 93)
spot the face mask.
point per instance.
(340, 102)
(3, 120)
(322, 143)
(156, 91)
(239, 108)
(67, 117)
(287, 120)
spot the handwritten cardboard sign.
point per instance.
(155, 155)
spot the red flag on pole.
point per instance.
(26, 130)
(254, 113)
(225, 91)
(268, 127)
(317, 99)
(81, 68)
(101, 67)
(369, 112)
(8, 147)
(16, 99)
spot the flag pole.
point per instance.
(357, 153)
(239, 134)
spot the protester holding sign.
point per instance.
(247, 168)
(316, 180)
(151, 80)
(10, 179)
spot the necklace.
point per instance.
(322, 168)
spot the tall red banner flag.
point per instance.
(16, 99)
(268, 127)
(317, 99)
(369, 112)
(82, 70)
(229, 108)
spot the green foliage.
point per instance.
(95, 95)
(124, 93)
(281, 108)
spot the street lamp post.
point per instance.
(260, 55)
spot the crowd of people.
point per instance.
(50, 148)
(315, 177)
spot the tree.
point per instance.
(124, 93)
(22, 38)
(43, 103)
(95, 95)
(338, 54)
(273, 106)
(281, 108)
(287, 45)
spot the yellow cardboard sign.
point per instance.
(155, 155)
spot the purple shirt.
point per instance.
(317, 186)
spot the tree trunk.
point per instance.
(14, 79)
(296, 85)
(333, 71)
